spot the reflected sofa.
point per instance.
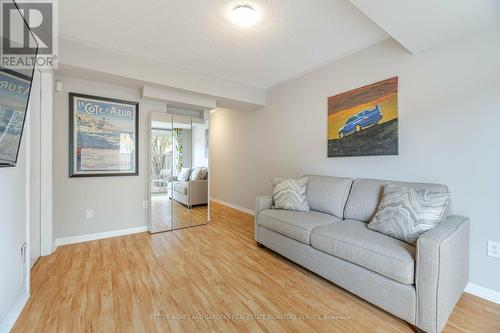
(190, 193)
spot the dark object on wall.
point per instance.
(364, 121)
(15, 88)
(103, 137)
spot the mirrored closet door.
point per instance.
(179, 195)
(199, 190)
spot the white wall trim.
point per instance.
(485, 293)
(10, 318)
(46, 154)
(175, 97)
(225, 203)
(100, 235)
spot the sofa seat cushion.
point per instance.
(351, 240)
(181, 187)
(294, 224)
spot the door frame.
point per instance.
(46, 153)
(33, 169)
(47, 247)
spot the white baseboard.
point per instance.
(100, 235)
(10, 319)
(225, 203)
(486, 293)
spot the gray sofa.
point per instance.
(190, 193)
(420, 284)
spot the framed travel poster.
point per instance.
(103, 136)
(364, 121)
(15, 90)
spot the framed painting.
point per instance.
(103, 136)
(15, 90)
(364, 121)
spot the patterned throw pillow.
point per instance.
(183, 176)
(290, 194)
(406, 213)
(203, 173)
(199, 173)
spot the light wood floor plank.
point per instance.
(148, 283)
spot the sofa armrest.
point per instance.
(442, 271)
(261, 203)
(198, 192)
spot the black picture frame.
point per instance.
(100, 173)
(7, 164)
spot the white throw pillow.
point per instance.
(406, 213)
(290, 194)
(183, 176)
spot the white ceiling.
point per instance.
(195, 38)
(423, 24)
(293, 36)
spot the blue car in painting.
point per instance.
(361, 120)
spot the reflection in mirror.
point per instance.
(182, 155)
(161, 159)
(199, 174)
(179, 172)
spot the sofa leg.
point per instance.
(260, 245)
(418, 330)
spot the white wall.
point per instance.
(199, 158)
(229, 93)
(13, 208)
(117, 201)
(449, 101)
(14, 219)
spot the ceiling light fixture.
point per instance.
(244, 16)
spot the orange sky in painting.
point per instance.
(342, 106)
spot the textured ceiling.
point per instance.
(423, 24)
(293, 36)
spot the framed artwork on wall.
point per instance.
(364, 121)
(15, 88)
(103, 136)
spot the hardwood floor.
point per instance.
(214, 273)
(168, 214)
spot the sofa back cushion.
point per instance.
(366, 194)
(328, 194)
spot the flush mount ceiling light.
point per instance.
(244, 16)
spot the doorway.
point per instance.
(34, 183)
